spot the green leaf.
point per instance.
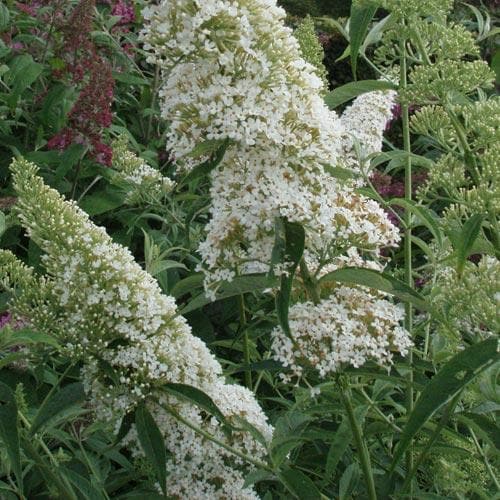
(353, 89)
(153, 444)
(425, 215)
(126, 77)
(341, 173)
(69, 159)
(465, 242)
(256, 476)
(287, 434)
(300, 485)
(397, 158)
(338, 447)
(290, 241)
(444, 386)
(208, 147)
(4, 17)
(348, 481)
(9, 432)
(195, 396)
(56, 106)
(239, 286)
(28, 336)
(141, 495)
(187, 285)
(82, 484)
(158, 267)
(57, 402)
(11, 358)
(495, 64)
(101, 202)
(125, 426)
(379, 281)
(110, 375)
(359, 22)
(290, 423)
(3, 223)
(265, 365)
(485, 426)
(23, 72)
(376, 32)
(43, 157)
(206, 167)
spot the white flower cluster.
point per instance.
(363, 125)
(143, 183)
(348, 328)
(232, 71)
(111, 314)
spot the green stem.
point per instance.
(421, 47)
(485, 460)
(89, 463)
(209, 436)
(495, 232)
(49, 34)
(246, 343)
(61, 484)
(75, 182)
(380, 413)
(408, 323)
(309, 282)
(67, 493)
(362, 448)
(469, 156)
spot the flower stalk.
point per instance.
(362, 448)
(408, 322)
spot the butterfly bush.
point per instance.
(108, 312)
(233, 73)
(349, 327)
(141, 182)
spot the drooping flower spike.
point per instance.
(232, 71)
(107, 311)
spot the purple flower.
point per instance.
(420, 282)
(5, 319)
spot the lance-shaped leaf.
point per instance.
(462, 369)
(379, 281)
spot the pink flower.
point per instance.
(61, 140)
(125, 11)
(17, 46)
(102, 153)
(91, 114)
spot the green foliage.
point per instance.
(341, 95)
(427, 428)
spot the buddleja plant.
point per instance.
(442, 78)
(291, 219)
(138, 353)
